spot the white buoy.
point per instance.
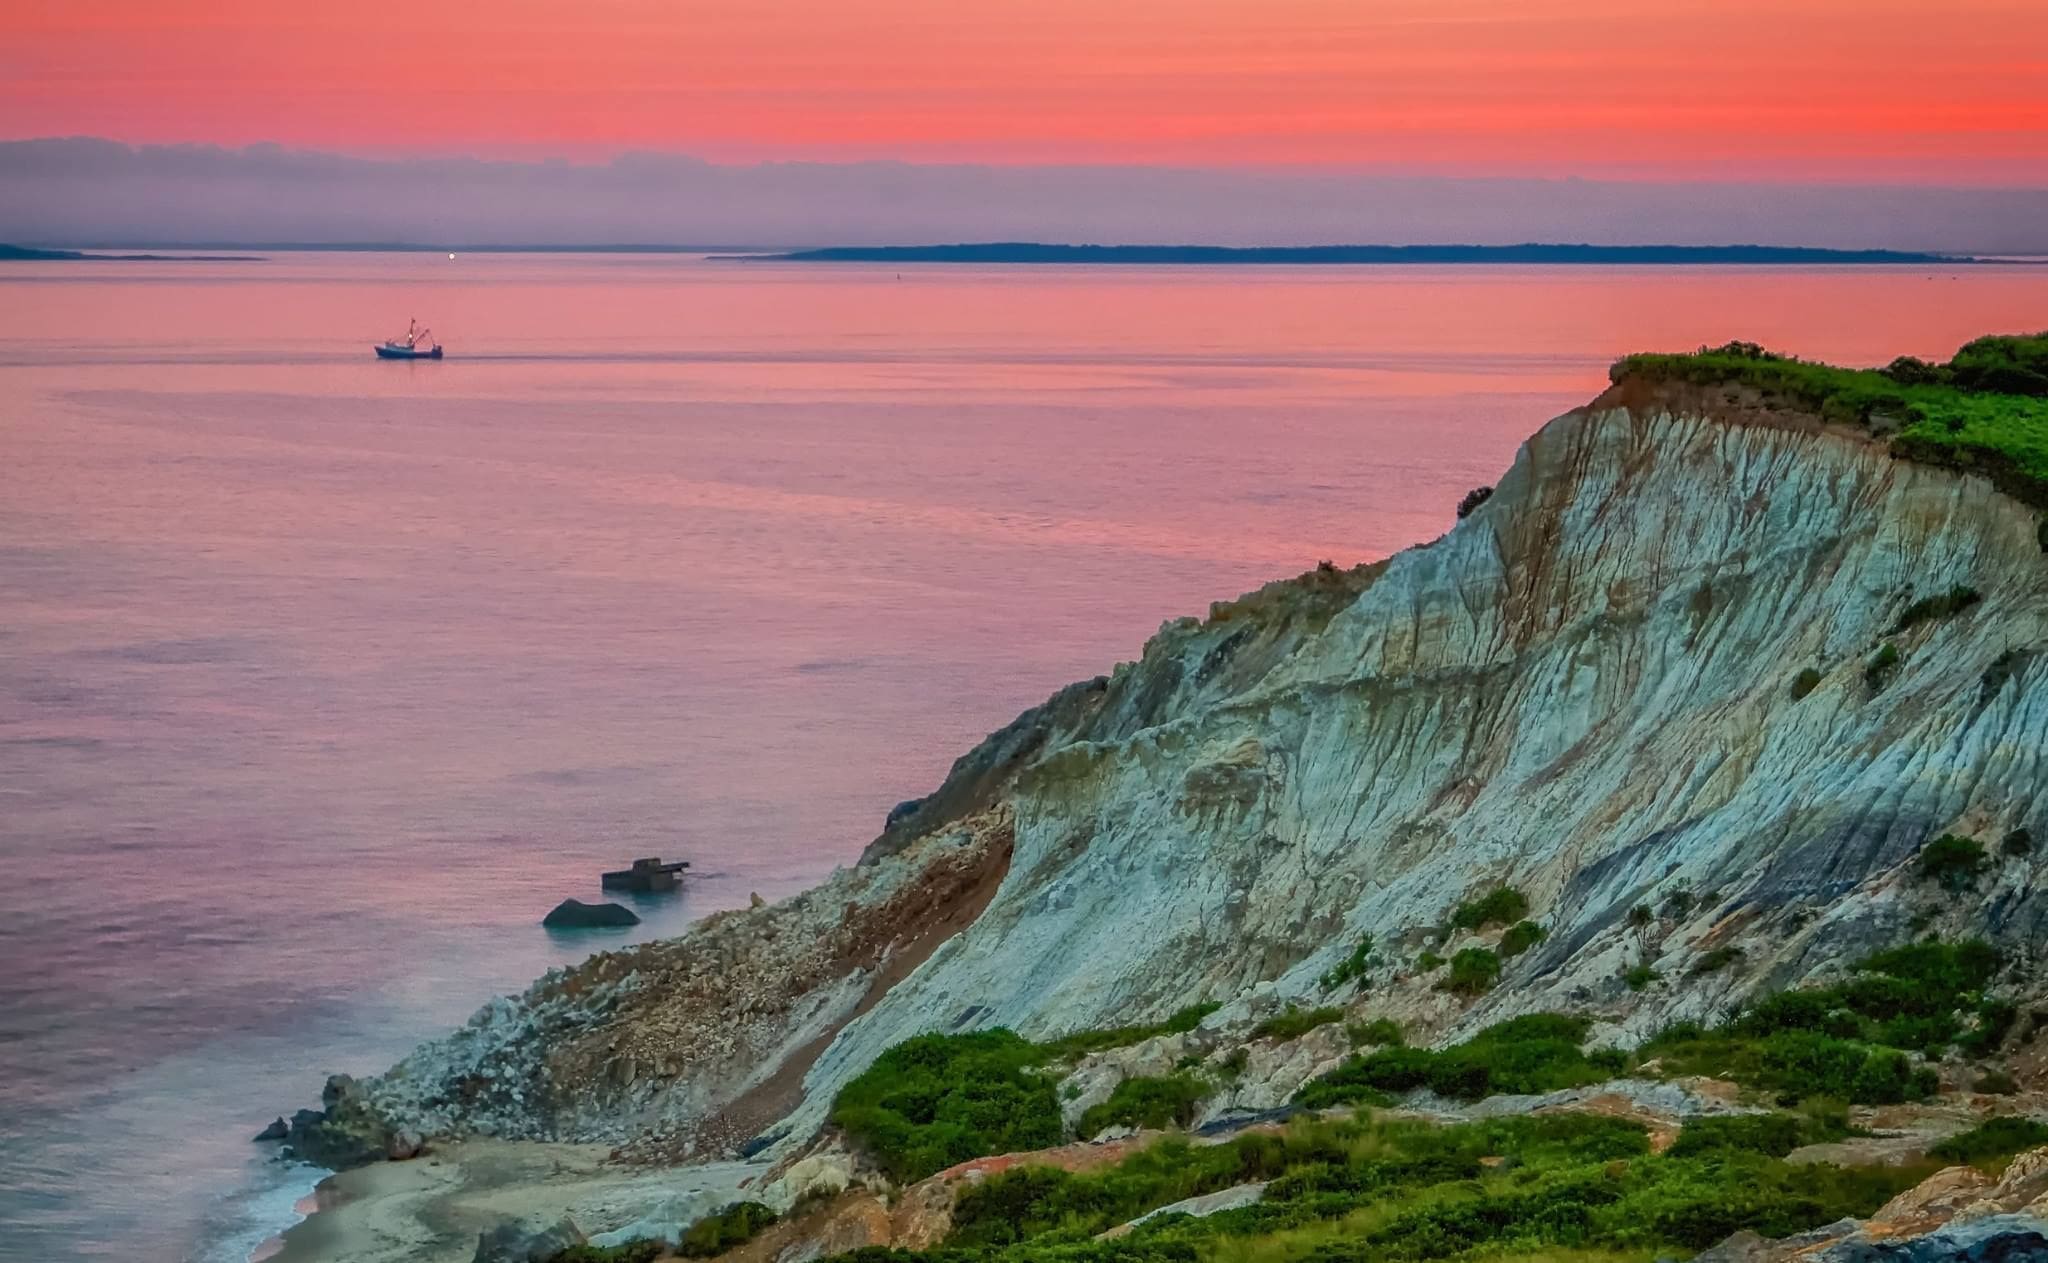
(451, 254)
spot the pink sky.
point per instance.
(1865, 90)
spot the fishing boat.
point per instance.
(417, 344)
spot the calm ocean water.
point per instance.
(321, 679)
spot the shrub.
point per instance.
(1953, 861)
(1429, 962)
(2003, 364)
(1640, 915)
(1381, 1030)
(1773, 1134)
(1639, 976)
(1944, 971)
(1352, 966)
(1679, 903)
(1501, 906)
(1993, 1138)
(1995, 1020)
(1146, 1101)
(1473, 972)
(937, 1100)
(1882, 666)
(1521, 936)
(1995, 1083)
(1295, 1023)
(1718, 959)
(1473, 499)
(2018, 842)
(1947, 605)
(1536, 1053)
(1080, 1042)
(1805, 682)
(1909, 370)
(731, 1227)
(1848, 1041)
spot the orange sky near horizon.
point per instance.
(1872, 90)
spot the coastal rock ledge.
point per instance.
(1650, 664)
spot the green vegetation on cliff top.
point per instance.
(1985, 411)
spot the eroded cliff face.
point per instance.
(1584, 690)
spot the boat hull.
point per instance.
(405, 353)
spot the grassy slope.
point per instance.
(1984, 411)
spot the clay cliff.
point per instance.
(1680, 660)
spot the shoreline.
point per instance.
(431, 1208)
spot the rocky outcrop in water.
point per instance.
(1591, 689)
(574, 914)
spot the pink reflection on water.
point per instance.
(358, 667)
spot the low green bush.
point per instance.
(1473, 972)
(1995, 1020)
(1805, 682)
(1383, 1031)
(1429, 962)
(1369, 1190)
(1848, 1041)
(1775, 1134)
(937, 1100)
(731, 1227)
(2017, 843)
(1946, 605)
(1352, 966)
(1082, 1042)
(1536, 1053)
(1993, 1138)
(1640, 976)
(1717, 959)
(1953, 861)
(1520, 937)
(1640, 915)
(1294, 1023)
(1146, 1101)
(1472, 500)
(1883, 665)
(1503, 905)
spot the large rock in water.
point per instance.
(574, 914)
(1583, 690)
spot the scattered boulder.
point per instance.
(514, 1242)
(342, 1134)
(403, 1144)
(574, 914)
(277, 1130)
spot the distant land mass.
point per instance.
(30, 254)
(1040, 252)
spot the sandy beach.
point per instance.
(431, 1208)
